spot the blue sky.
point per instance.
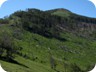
(82, 7)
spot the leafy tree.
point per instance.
(7, 45)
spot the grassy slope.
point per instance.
(31, 66)
(61, 12)
(76, 50)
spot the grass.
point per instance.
(62, 13)
(31, 66)
(78, 50)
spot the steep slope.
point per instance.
(84, 26)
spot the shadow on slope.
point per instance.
(12, 61)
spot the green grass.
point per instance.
(30, 66)
(62, 13)
(76, 49)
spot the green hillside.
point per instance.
(41, 41)
(60, 12)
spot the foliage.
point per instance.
(7, 45)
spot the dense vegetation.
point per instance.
(47, 41)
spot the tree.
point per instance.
(7, 45)
(52, 62)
